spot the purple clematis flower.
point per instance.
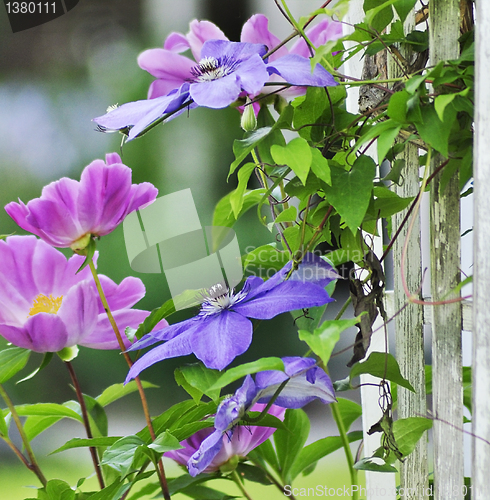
(69, 213)
(222, 330)
(222, 72)
(45, 306)
(241, 442)
(306, 383)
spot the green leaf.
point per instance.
(349, 411)
(369, 464)
(320, 166)
(45, 362)
(351, 191)
(385, 142)
(48, 410)
(12, 361)
(89, 254)
(287, 215)
(296, 155)
(376, 364)
(34, 425)
(260, 260)
(323, 339)
(387, 202)
(236, 197)
(165, 442)
(81, 443)
(378, 13)
(414, 83)
(243, 147)
(113, 492)
(397, 107)
(154, 317)
(117, 391)
(223, 213)
(121, 454)
(440, 103)
(310, 454)
(403, 8)
(254, 474)
(266, 453)
(408, 431)
(434, 131)
(246, 369)
(291, 440)
(196, 379)
(56, 489)
(4, 430)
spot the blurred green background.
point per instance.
(54, 79)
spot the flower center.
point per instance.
(45, 304)
(211, 68)
(217, 298)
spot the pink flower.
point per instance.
(243, 440)
(69, 213)
(172, 69)
(45, 306)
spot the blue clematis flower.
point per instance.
(306, 383)
(224, 71)
(222, 330)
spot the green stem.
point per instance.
(86, 423)
(345, 442)
(240, 485)
(373, 82)
(144, 402)
(34, 466)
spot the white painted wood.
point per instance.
(445, 275)
(409, 327)
(481, 284)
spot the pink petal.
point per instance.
(48, 332)
(320, 34)
(256, 30)
(176, 42)
(168, 66)
(103, 196)
(124, 295)
(79, 312)
(200, 32)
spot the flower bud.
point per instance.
(249, 120)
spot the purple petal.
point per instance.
(103, 196)
(47, 331)
(54, 221)
(176, 42)
(217, 93)
(140, 196)
(307, 383)
(235, 51)
(167, 66)
(103, 336)
(246, 438)
(168, 333)
(204, 456)
(122, 296)
(17, 335)
(224, 336)
(288, 296)
(323, 32)
(178, 346)
(253, 74)
(232, 409)
(200, 32)
(313, 269)
(19, 213)
(256, 30)
(111, 158)
(78, 312)
(297, 71)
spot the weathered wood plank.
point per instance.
(445, 275)
(481, 284)
(409, 327)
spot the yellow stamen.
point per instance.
(45, 304)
